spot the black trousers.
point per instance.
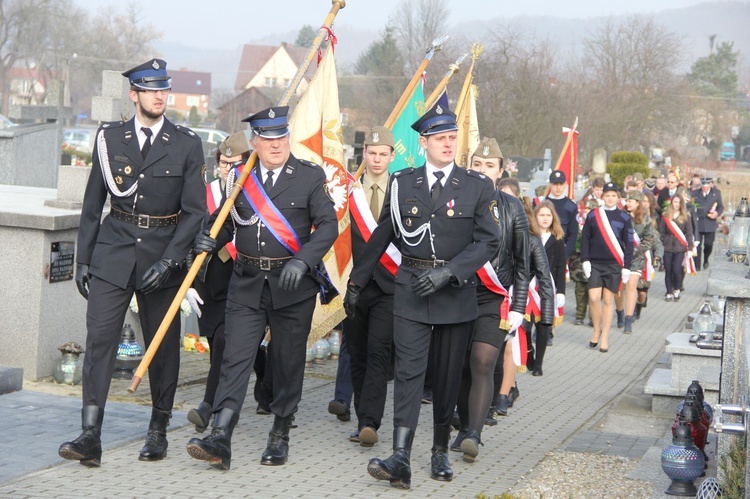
(412, 343)
(369, 337)
(245, 328)
(105, 314)
(705, 248)
(673, 273)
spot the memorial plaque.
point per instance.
(61, 260)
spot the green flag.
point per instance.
(408, 152)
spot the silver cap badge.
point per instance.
(375, 137)
(271, 114)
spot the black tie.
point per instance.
(146, 145)
(268, 184)
(437, 187)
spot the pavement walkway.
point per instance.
(554, 412)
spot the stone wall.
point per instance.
(29, 155)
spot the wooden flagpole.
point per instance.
(476, 51)
(440, 88)
(437, 45)
(568, 140)
(224, 213)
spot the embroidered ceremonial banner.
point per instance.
(316, 136)
(468, 129)
(409, 154)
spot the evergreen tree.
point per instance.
(716, 74)
(305, 36)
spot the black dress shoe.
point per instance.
(502, 405)
(470, 446)
(578, 322)
(427, 397)
(354, 437)
(368, 436)
(440, 466)
(263, 410)
(705, 265)
(340, 410)
(456, 445)
(512, 396)
(200, 416)
(537, 371)
(490, 419)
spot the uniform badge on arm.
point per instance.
(494, 211)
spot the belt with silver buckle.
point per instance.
(416, 263)
(145, 221)
(263, 262)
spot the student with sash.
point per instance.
(272, 284)
(369, 333)
(539, 306)
(642, 267)
(677, 236)
(607, 254)
(208, 296)
(444, 221)
(499, 314)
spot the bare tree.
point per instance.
(415, 24)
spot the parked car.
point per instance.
(79, 139)
(5, 122)
(211, 139)
(727, 151)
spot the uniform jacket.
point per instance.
(511, 260)
(670, 242)
(539, 267)
(703, 206)
(647, 235)
(593, 245)
(299, 194)
(555, 250)
(567, 212)
(169, 182)
(466, 240)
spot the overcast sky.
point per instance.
(229, 23)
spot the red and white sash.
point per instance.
(269, 214)
(600, 217)
(489, 278)
(213, 201)
(366, 223)
(688, 261)
(537, 200)
(648, 265)
(519, 346)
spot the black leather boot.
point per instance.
(638, 308)
(200, 416)
(456, 445)
(440, 466)
(156, 439)
(502, 405)
(396, 469)
(277, 447)
(217, 447)
(470, 446)
(87, 448)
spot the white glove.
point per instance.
(515, 319)
(625, 276)
(587, 269)
(559, 300)
(194, 299)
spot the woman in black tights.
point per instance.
(497, 313)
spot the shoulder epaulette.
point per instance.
(112, 124)
(405, 171)
(308, 163)
(472, 173)
(187, 131)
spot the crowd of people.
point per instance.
(458, 279)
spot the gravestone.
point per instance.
(41, 307)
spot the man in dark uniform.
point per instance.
(566, 210)
(272, 284)
(151, 170)
(369, 334)
(709, 209)
(443, 221)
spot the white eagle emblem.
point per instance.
(375, 137)
(486, 150)
(335, 186)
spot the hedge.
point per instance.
(624, 163)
